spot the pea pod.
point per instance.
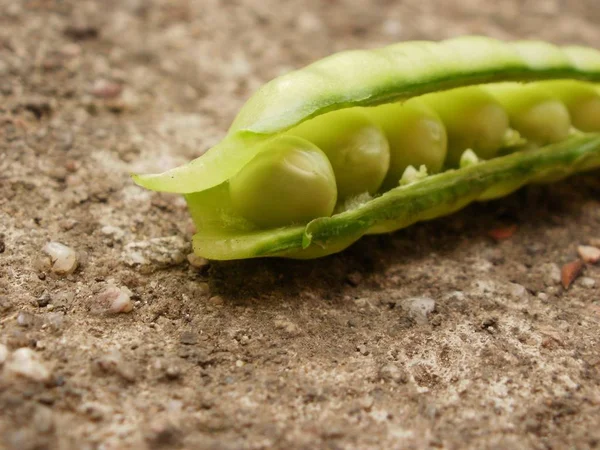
(247, 201)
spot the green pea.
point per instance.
(356, 147)
(581, 99)
(289, 181)
(416, 136)
(473, 119)
(534, 111)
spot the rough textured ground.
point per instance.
(337, 353)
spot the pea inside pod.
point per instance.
(416, 136)
(290, 181)
(539, 116)
(581, 99)
(474, 120)
(356, 147)
(422, 127)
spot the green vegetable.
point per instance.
(416, 137)
(321, 156)
(356, 146)
(473, 119)
(539, 116)
(289, 182)
(582, 101)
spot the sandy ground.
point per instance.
(434, 337)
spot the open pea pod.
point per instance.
(371, 141)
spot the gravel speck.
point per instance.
(589, 254)
(197, 261)
(570, 272)
(106, 89)
(287, 326)
(114, 363)
(587, 282)
(3, 354)
(391, 372)
(43, 419)
(44, 299)
(25, 319)
(6, 303)
(115, 233)
(27, 363)
(64, 259)
(216, 300)
(113, 300)
(551, 273)
(354, 278)
(95, 411)
(419, 308)
(188, 338)
(362, 349)
(162, 252)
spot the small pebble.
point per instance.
(551, 273)
(64, 259)
(362, 349)
(106, 89)
(162, 252)
(25, 319)
(216, 300)
(114, 363)
(44, 300)
(366, 402)
(419, 308)
(354, 278)
(27, 363)
(6, 303)
(3, 353)
(518, 291)
(43, 419)
(173, 372)
(67, 224)
(570, 272)
(114, 300)
(197, 261)
(115, 233)
(589, 254)
(188, 338)
(587, 282)
(54, 320)
(163, 432)
(391, 372)
(502, 233)
(287, 326)
(95, 411)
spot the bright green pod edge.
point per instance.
(368, 78)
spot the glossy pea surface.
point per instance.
(290, 181)
(473, 119)
(356, 147)
(416, 136)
